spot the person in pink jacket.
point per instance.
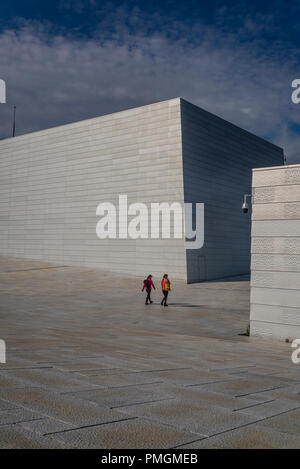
(148, 285)
(166, 287)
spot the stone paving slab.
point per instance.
(190, 376)
(278, 378)
(131, 434)
(67, 408)
(86, 374)
(244, 387)
(118, 397)
(269, 408)
(250, 437)
(7, 381)
(82, 366)
(46, 425)
(45, 378)
(5, 405)
(212, 398)
(198, 417)
(288, 422)
(17, 415)
(16, 437)
(121, 380)
(292, 393)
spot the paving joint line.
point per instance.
(131, 372)
(87, 369)
(20, 421)
(89, 426)
(254, 405)
(157, 371)
(232, 368)
(131, 385)
(98, 388)
(242, 426)
(263, 390)
(141, 403)
(212, 382)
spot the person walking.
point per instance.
(166, 287)
(148, 285)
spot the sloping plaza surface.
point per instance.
(89, 365)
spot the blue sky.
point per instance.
(67, 60)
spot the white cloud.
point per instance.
(55, 79)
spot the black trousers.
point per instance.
(148, 298)
(164, 301)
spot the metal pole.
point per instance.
(14, 122)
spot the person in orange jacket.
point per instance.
(166, 287)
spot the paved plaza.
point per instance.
(90, 366)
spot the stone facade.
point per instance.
(275, 253)
(53, 180)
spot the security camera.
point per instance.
(245, 206)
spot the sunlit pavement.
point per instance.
(90, 366)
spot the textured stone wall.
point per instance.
(53, 180)
(218, 158)
(275, 253)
